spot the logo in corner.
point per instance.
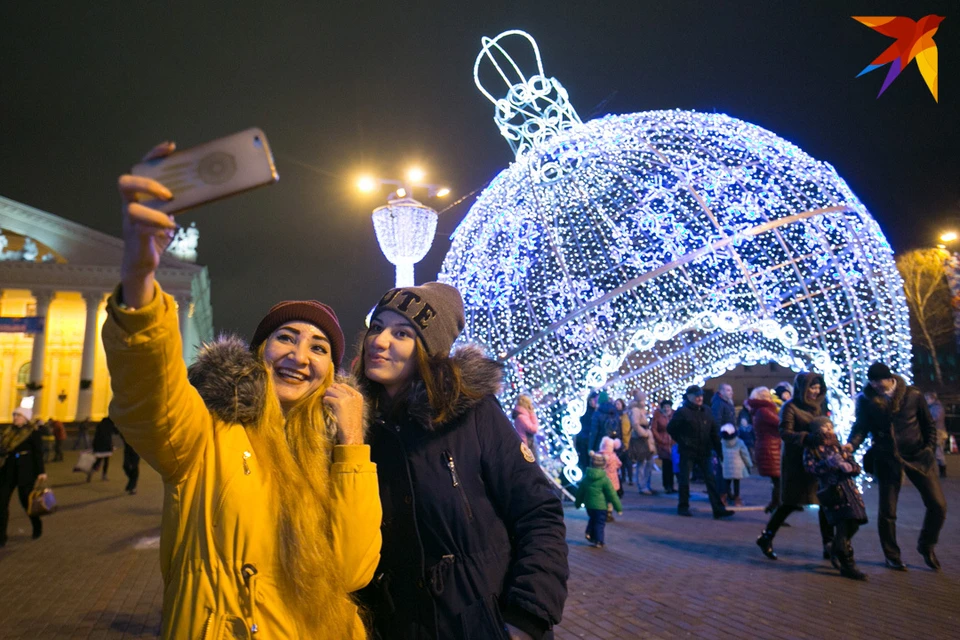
(527, 454)
(914, 39)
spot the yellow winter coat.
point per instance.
(218, 543)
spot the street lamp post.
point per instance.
(405, 227)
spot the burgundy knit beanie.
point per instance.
(311, 311)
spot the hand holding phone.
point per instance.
(210, 171)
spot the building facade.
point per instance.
(55, 276)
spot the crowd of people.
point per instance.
(786, 435)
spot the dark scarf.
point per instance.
(12, 437)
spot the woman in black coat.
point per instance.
(797, 487)
(21, 456)
(474, 541)
(102, 446)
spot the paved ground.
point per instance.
(94, 573)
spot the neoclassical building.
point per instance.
(55, 276)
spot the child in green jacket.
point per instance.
(595, 492)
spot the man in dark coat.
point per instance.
(582, 441)
(904, 441)
(696, 435)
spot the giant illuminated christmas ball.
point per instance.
(660, 249)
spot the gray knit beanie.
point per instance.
(434, 309)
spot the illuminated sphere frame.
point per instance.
(661, 249)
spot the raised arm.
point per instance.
(153, 405)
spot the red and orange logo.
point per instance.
(914, 40)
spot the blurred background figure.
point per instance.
(940, 422)
(102, 447)
(21, 453)
(526, 423)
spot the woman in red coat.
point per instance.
(766, 426)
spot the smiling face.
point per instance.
(388, 351)
(812, 392)
(298, 355)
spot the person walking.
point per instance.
(697, 437)
(47, 438)
(766, 427)
(102, 447)
(474, 542)
(664, 443)
(798, 488)
(525, 422)
(596, 492)
(896, 415)
(21, 466)
(131, 466)
(626, 435)
(608, 449)
(59, 435)
(83, 441)
(840, 500)
(940, 422)
(272, 516)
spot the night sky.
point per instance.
(375, 87)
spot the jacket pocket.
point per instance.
(455, 479)
(224, 627)
(482, 620)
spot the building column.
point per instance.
(87, 360)
(183, 316)
(43, 299)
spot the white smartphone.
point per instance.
(211, 171)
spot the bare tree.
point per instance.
(929, 300)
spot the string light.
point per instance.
(660, 249)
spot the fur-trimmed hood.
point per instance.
(480, 376)
(232, 382)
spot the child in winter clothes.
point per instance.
(608, 447)
(839, 498)
(596, 492)
(736, 462)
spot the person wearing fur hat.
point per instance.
(596, 492)
(736, 462)
(904, 435)
(797, 487)
(271, 513)
(473, 535)
(21, 465)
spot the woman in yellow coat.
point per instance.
(271, 511)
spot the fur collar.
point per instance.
(480, 377)
(892, 404)
(232, 382)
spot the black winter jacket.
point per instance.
(694, 430)
(473, 533)
(905, 416)
(21, 466)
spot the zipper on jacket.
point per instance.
(451, 465)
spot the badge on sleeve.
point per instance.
(527, 454)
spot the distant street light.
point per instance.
(948, 236)
(405, 227)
